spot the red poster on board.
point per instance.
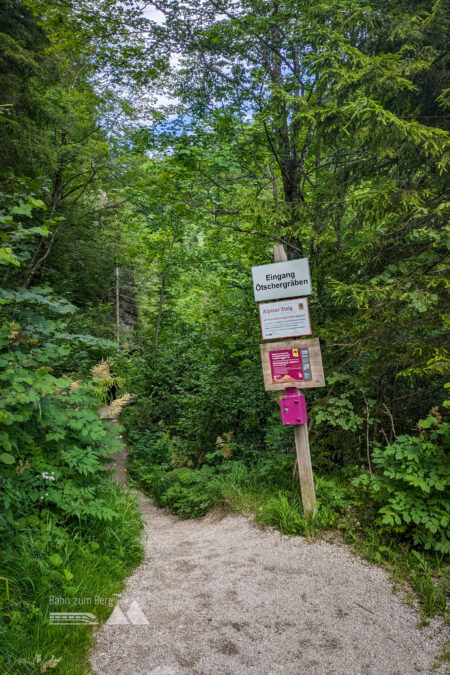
(286, 365)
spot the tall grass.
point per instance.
(76, 560)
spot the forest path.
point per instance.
(222, 596)
(118, 459)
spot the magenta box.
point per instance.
(293, 409)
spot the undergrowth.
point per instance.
(48, 567)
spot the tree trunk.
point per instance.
(117, 307)
(161, 293)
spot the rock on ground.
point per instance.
(219, 597)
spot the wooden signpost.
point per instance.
(290, 364)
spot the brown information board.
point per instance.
(292, 363)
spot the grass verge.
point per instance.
(80, 566)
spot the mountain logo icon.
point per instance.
(134, 616)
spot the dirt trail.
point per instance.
(222, 596)
(118, 459)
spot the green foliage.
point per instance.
(65, 528)
(190, 492)
(342, 158)
(186, 492)
(45, 561)
(284, 510)
(283, 513)
(409, 486)
(340, 412)
(48, 424)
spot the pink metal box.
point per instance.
(293, 407)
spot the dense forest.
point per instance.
(150, 157)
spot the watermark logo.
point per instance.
(72, 619)
(134, 616)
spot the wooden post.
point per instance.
(305, 469)
(279, 254)
(301, 440)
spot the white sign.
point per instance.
(281, 280)
(284, 319)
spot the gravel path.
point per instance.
(118, 459)
(221, 596)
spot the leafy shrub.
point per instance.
(187, 493)
(52, 443)
(333, 500)
(340, 413)
(408, 489)
(274, 470)
(65, 528)
(269, 486)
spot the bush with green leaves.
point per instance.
(52, 443)
(65, 528)
(409, 486)
(186, 492)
